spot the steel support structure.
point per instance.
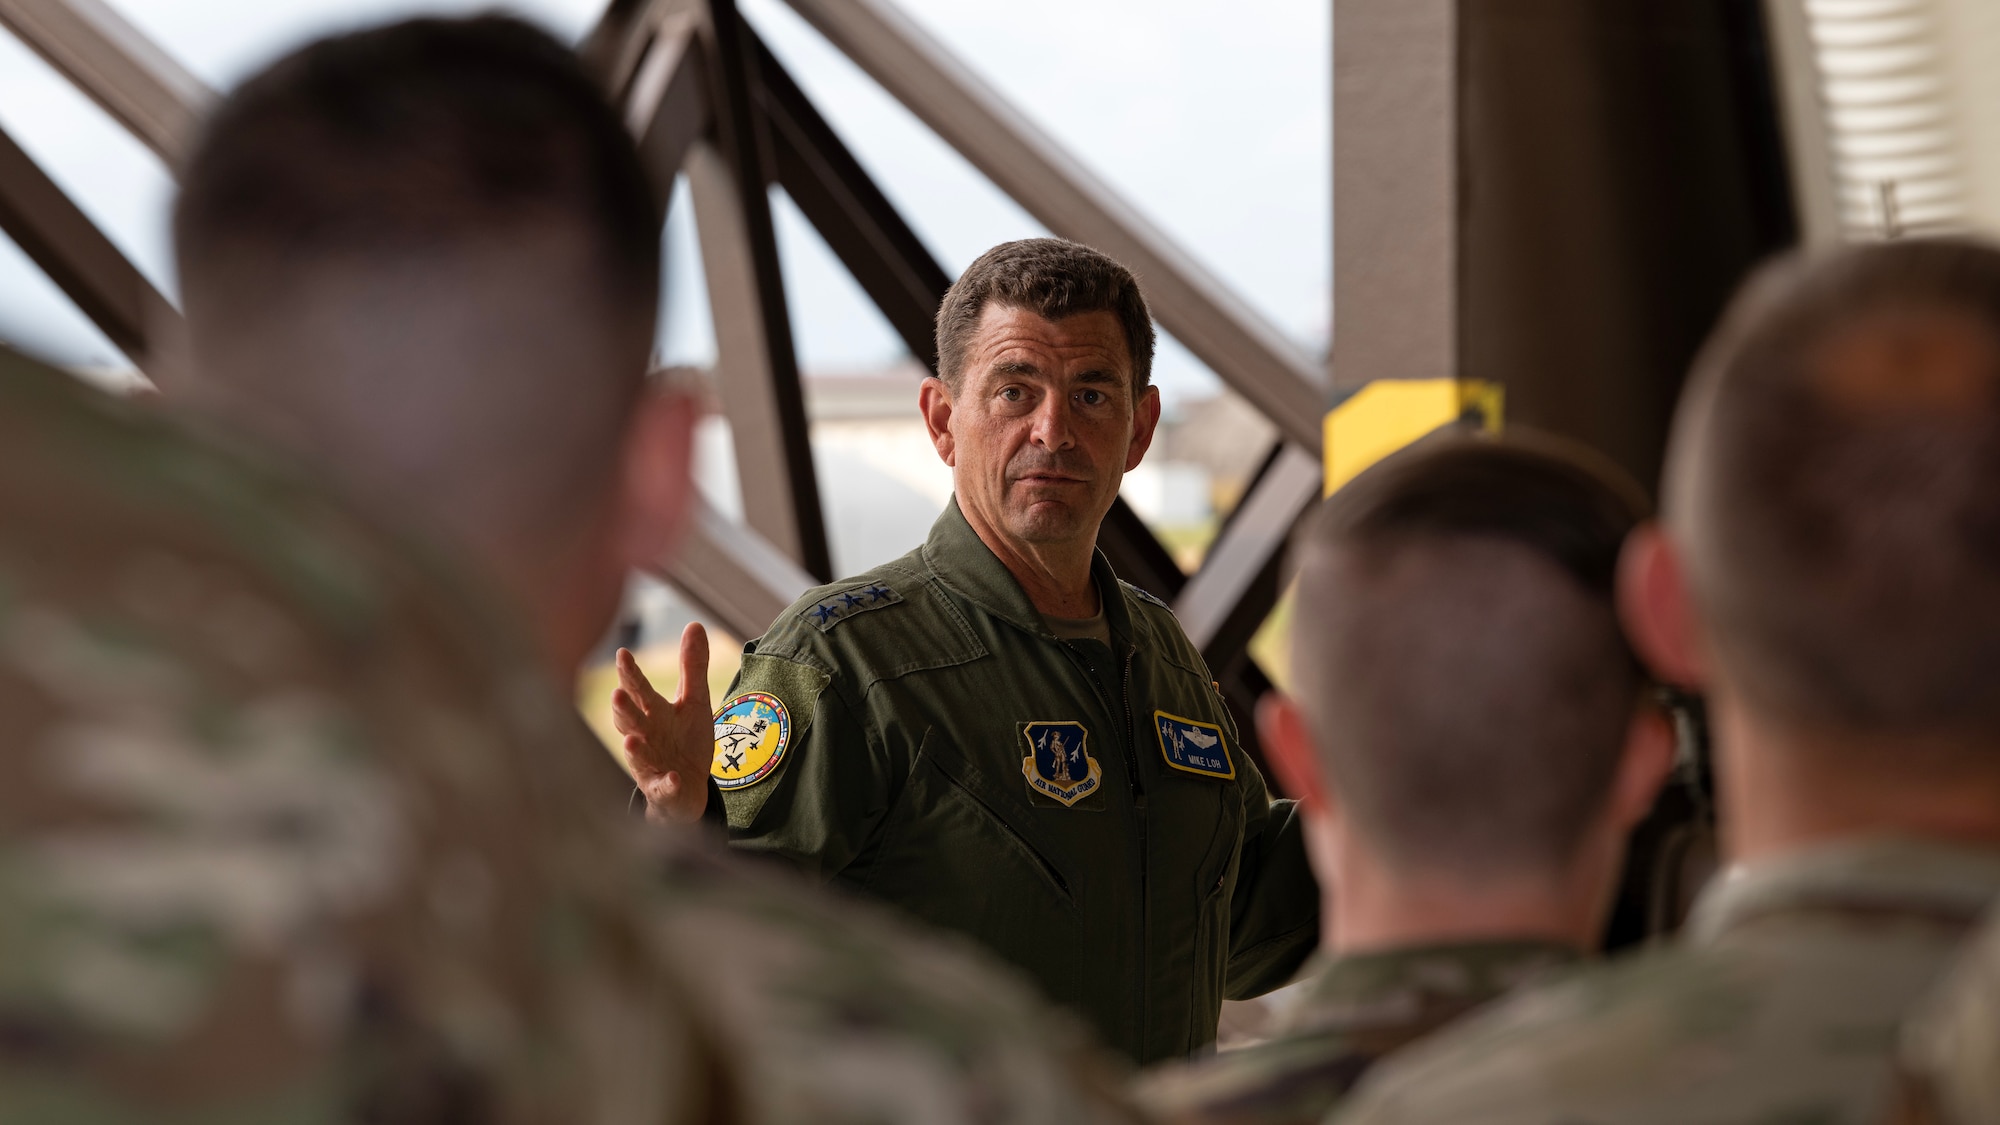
(1251, 355)
(116, 66)
(77, 256)
(704, 97)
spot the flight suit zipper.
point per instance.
(1137, 789)
(1145, 857)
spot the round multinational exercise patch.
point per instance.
(751, 733)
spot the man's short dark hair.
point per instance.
(1052, 278)
(427, 254)
(414, 135)
(1835, 480)
(1457, 654)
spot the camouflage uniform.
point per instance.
(1354, 1010)
(1781, 1004)
(1951, 1053)
(291, 832)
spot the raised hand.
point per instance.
(669, 745)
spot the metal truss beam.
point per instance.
(1248, 353)
(734, 574)
(82, 262)
(1226, 601)
(117, 67)
(667, 107)
(850, 212)
(757, 366)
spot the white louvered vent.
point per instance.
(1892, 130)
(1893, 110)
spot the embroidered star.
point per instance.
(849, 600)
(877, 593)
(824, 612)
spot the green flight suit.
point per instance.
(919, 734)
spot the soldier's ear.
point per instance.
(1656, 610)
(1288, 746)
(934, 401)
(657, 487)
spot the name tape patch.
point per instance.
(1194, 747)
(1059, 762)
(751, 734)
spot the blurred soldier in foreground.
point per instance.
(1951, 1052)
(282, 834)
(994, 732)
(1470, 743)
(1829, 572)
(423, 262)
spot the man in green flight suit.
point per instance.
(994, 732)
(1471, 741)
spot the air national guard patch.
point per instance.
(1058, 764)
(1194, 747)
(751, 733)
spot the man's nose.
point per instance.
(1052, 427)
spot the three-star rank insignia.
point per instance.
(836, 608)
(751, 734)
(1059, 764)
(1194, 747)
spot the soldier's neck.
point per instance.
(1787, 789)
(1370, 905)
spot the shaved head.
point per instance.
(425, 260)
(1457, 653)
(1834, 483)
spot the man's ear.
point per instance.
(1145, 422)
(934, 400)
(1643, 767)
(1288, 746)
(1656, 610)
(658, 486)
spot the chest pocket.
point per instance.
(952, 856)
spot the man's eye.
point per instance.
(1090, 397)
(1011, 394)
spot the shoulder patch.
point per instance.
(752, 731)
(836, 608)
(1194, 747)
(1145, 596)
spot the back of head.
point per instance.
(1835, 484)
(1457, 652)
(426, 258)
(1053, 278)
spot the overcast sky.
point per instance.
(1212, 119)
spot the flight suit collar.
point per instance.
(962, 559)
(1396, 987)
(1876, 877)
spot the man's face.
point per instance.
(1044, 424)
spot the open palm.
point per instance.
(668, 745)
